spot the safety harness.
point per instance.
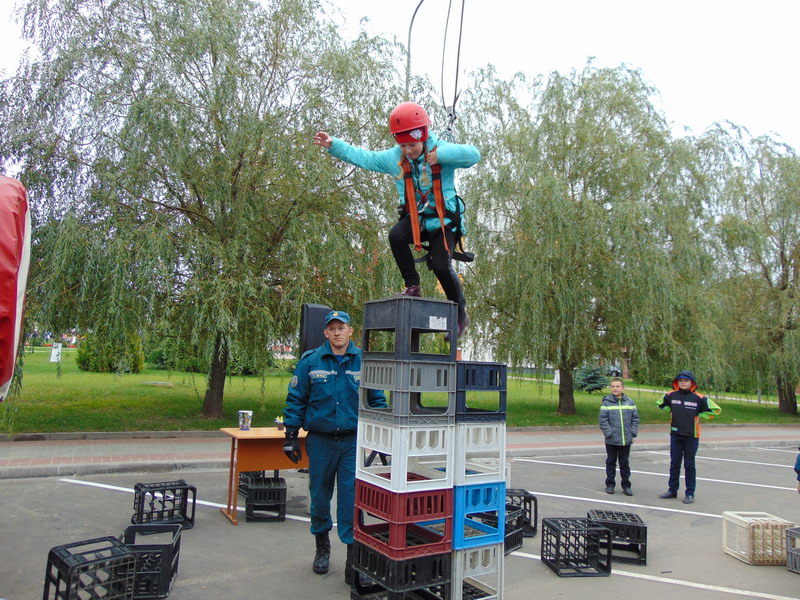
(441, 210)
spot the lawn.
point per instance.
(81, 401)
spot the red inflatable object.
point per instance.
(15, 254)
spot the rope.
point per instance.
(451, 110)
(408, 54)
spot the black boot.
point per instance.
(323, 555)
(348, 566)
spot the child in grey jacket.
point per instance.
(619, 421)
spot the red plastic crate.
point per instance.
(405, 540)
(404, 507)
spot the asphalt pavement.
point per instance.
(59, 489)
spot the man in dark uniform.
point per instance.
(323, 400)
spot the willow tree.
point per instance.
(758, 223)
(588, 222)
(166, 145)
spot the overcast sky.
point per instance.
(711, 60)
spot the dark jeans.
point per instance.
(400, 239)
(332, 459)
(613, 454)
(682, 448)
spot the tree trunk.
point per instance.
(787, 399)
(566, 392)
(212, 405)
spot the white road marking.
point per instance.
(117, 488)
(681, 582)
(778, 450)
(744, 462)
(562, 464)
(626, 504)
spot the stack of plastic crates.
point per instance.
(430, 490)
(265, 496)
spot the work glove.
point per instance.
(291, 446)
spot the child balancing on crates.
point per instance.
(424, 170)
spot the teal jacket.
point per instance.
(619, 420)
(323, 393)
(450, 157)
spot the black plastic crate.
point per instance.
(402, 575)
(157, 548)
(246, 476)
(164, 502)
(515, 520)
(406, 323)
(576, 547)
(628, 535)
(374, 591)
(90, 569)
(530, 509)
(266, 499)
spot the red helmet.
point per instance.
(409, 123)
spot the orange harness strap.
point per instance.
(411, 201)
(436, 172)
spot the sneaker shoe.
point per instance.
(668, 495)
(609, 489)
(411, 290)
(688, 499)
(627, 491)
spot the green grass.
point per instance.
(80, 401)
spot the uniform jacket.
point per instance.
(619, 420)
(323, 393)
(687, 407)
(797, 467)
(450, 157)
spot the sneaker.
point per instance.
(411, 290)
(668, 495)
(688, 499)
(627, 491)
(609, 489)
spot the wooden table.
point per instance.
(257, 449)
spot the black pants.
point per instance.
(400, 239)
(621, 453)
(682, 448)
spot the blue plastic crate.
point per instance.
(472, 504)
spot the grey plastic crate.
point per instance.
(793, 549)
(410, 319)
(408, 376)
(409, 408)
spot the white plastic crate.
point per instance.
(757, 538)
(480, 452)
(419, 457)
(479, 568)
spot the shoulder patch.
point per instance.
(307, 352)
(293, 382)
